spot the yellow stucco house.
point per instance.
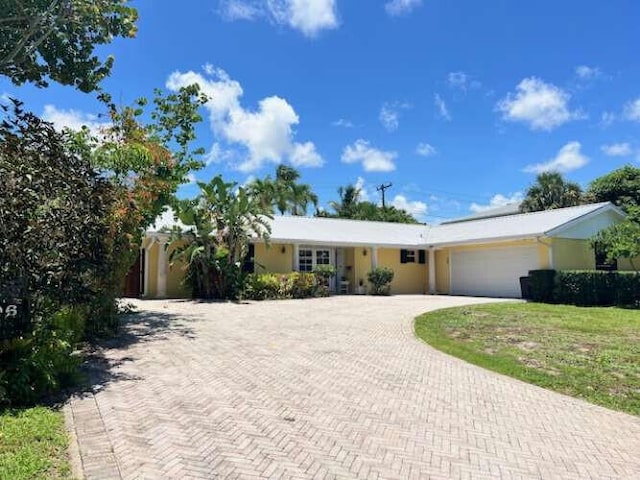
(483, 256)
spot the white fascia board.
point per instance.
(483, 241)
(339, 244)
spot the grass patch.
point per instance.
(33, 444)
(590, 353)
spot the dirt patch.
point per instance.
(528, 346)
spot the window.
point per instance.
(323, 257)
(601, 261)
(248, 265)
(407, 256)
(305, 260)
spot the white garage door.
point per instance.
(492, 272)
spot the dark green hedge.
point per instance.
(542, 284)
(586, 287)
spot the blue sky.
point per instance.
(457, 103)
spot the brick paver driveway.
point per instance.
(327, 388)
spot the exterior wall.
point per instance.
(443, 281)
(362, 266)
(271, 259)
(570, 254)
(152, 258)
(350, 271)
(625, 265)
(442, 272)
(175, 277)
(408, 277)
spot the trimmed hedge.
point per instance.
(278, 286)
(586, 287)
(542, 283)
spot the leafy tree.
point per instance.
(551, 191)
(56, 39)
(223, 219)
(54, 249)
(284, 193)
(351, 207)
(145, 163)
(620, 187)
(621, 240)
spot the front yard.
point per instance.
(591, 353)
(33, 444)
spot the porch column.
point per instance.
(145, 285)
(162, 268)
(296, 257)
(374, 257)
(432, 271)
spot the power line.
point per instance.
(382, 188)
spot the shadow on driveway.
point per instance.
(103, 358)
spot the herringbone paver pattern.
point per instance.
(328, 388)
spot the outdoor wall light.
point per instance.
(283, 249)
(364, 252)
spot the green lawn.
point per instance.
(33, 444)
(591, 353)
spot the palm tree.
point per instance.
(349, 199)
(223, 222)
(551, 191)
(284, 193)
(263, 190)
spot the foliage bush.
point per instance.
(277, 286)
(380, 278)
(591, 288)
(586, 287)
(542, 284)
(43, 361)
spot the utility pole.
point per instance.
(382, 188)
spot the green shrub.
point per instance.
(277, 286)
(542, 284)
(42, 362)
(380, 278)
(591, 287)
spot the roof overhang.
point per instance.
(609, 207)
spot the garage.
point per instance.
(491, 272)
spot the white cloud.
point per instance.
(426, 150)
(305, 155)
(585, 72)
(373, 160)
(360, 185)
(569, 158)
(343, 122)
(607, 118)
(238, 10)
(390, 115)
(441, 106)
(416, 208)
(72, 119)
(617, 150)
(632, 110)
(396, 8)
(5, 97)
(266, 133)
(307, 16)
(496, 201)
(389, 118)
(541, 105)
(462, 81)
